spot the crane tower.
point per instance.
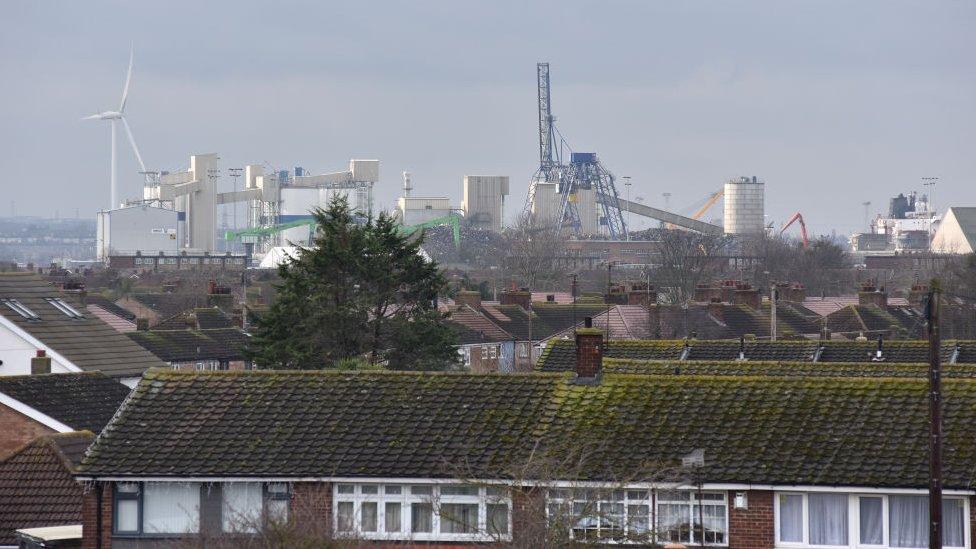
(580, 196)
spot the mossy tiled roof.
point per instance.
(80, 400)
(191, 345)
(560, 355)
(851, 431)
(783, 368)
(545, 320)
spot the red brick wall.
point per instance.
(311, 505)
(89, 517)
(589, 353)
(18, 430)
(752, 528)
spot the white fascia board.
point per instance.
(34, 414)
(534, 483)
(26, 336)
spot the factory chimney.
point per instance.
(406, 185)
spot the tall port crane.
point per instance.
(584, 172)
(798, 217)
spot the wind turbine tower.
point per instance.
(113, 117)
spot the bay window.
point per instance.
(456, 512)
(626, 515)
(823, 519)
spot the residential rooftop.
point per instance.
(84, 401)
(830, 431)
(33, 306)
(560, 355)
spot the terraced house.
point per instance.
(743, 457)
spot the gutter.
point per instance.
(717, 486)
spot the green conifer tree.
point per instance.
(362, 290)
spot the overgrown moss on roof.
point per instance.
(853, 431)
(560, 355)
(779, 368)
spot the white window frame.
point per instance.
(406, 498)
(653, 501)
(16, 306)
(64, 307)
(854, 520)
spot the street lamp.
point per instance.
(627, 184)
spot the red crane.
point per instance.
(803, 228)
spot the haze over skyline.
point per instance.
(831, 103)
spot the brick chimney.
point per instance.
(468, 297)
(747, 295)
(522, 298)
(41, 364)
(589, 352)
(918, 295)
(797, 293)
(870, 295)
(641, 294)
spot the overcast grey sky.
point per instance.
(832, 103)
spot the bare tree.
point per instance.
(687, 259)
(535, 254)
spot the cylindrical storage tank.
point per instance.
(297, 204)
(744, 206)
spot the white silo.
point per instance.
(744, 206)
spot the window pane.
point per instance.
(421, 490)
(369, 489)
(346, 489)
(421, 517)
(638, 519)
(459, 518)
(392, 516)
(277, 510)
(908, 518)
(367, 511)
(497, 519)
(393, 489)
(459, 490)
(127, 512)
(828, 519)
(791, 518)
(171, 507)
(715, 527)
(127, 487)
(953, 523)
(345, 516)
(674, 522)
(872, 517)
(241, 508)
(612, 519)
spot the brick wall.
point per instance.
(89, 517)
(18, 430)
(311, 506)
(752, 528)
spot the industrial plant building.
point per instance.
(176, 216)
(483, 201)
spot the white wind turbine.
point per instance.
(112, 117)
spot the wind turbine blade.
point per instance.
(93, 117)
(128, 79)
(132, 140)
